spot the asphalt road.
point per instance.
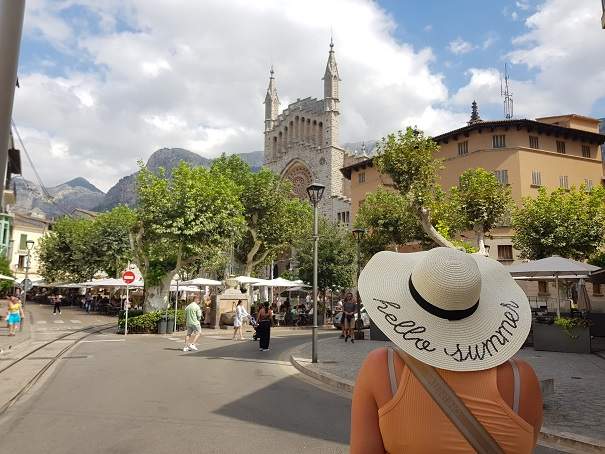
(144, 395)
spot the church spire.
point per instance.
(475, 118)
(331, 78)
(271, 102)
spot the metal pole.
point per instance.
(558, 295)
(127, 305)
(176, 304)
(27, 262)
(315, 260)
(11, 25)
(359, 321)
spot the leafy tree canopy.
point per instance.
(273, 217)
(110, 242)
(481, 201)
(407, 157)
(65, 253)
(181, 220)
(6, 270)
(566, 223)
(389, 221)
(336, 257)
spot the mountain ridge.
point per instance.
(78, 192)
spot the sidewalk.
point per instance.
(22, 337)
(574, 410)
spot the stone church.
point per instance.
(302, 144)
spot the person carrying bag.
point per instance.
(451, 384)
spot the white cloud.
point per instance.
(460, 46)
(489, 40)
(428, 28)
(514, 15)
(194, 74)
(523, 4)
(566, 76)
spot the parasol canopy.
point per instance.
(201, 281)
(551, 266)
(556, 267)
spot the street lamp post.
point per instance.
(358, 235)
(29, 244)
(315, 192)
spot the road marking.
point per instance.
(75, 321)
(174, 339)
(103, 340)
(41, 322)
(58, 321)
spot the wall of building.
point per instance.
(19, 250)
(572, 121)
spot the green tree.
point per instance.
(566, 223)
(336, 257)
(110, 244)
(181, 220)
(481, 201)
(388, 219)
(65, 252)
(274, 218)
(408, 159)
(5, 269)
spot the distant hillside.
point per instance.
(76, 193)
(124, 191)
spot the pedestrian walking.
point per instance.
(240, 316)
(451, 385)
(349, 307)
(193, 315)
(265, 319)
(88, 302)
(56, 299)
(14, 317)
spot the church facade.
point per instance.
(302, 144)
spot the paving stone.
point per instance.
(576, 405)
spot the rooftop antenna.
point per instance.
(508, 96)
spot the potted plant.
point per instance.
(562, 334)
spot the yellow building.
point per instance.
(26, 229)
(561, 151)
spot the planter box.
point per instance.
(553, 338)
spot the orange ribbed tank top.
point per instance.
(411, 422)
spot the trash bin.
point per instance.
(170, 325)
(162, 325)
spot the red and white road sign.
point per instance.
(128, 277)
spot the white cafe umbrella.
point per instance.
(277, 282)
(555, 266)
(110, 282)
(202, 282)
(248, 280)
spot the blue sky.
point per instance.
(106, 83)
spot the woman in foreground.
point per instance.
(450, 385)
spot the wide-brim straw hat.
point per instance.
(446, 308)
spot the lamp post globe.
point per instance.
(315, 191)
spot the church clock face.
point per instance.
(301, 178)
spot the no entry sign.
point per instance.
(128, 277)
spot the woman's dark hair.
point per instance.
(239, 302)
(266, 304)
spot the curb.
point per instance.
(564, 440)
